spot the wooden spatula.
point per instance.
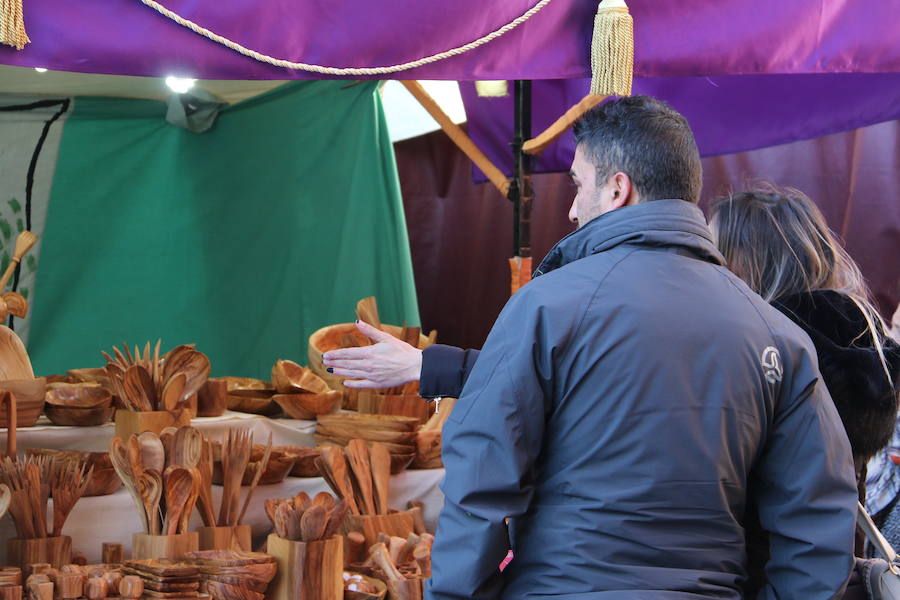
(380, 461)
(358, 455)
(24, 243)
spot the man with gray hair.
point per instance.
(635, 402)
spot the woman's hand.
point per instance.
(388, 363)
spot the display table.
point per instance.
(114, 518)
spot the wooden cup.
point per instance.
(10, 591)
(55, 551)
(164, 546)
(212, 399)
(307, 570)
(112, 553)
(226, 538)
(129, 421)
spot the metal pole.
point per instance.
(520, 190)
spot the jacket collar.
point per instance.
(660, 223)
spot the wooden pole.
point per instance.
(459, 137)
(562, 124)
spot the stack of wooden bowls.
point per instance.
(397, 433)
(301, 393)
(229, 575)
(251, 396)
(80, 405)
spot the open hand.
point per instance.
(388, 363)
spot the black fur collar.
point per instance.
(850, 366)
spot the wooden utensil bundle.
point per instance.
(236, 451)
(162, 475)
(164, 578)
(359, 474)
(402, 564)
(103, 479)
(231, 575)
(301, 393)
(396, 433)
(32, 482)
(308, 520)
(148, 382)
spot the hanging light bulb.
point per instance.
(179, 85)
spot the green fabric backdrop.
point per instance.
(244, 239)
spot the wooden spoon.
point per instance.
(153, 454)
(335, 518)
(313, 523)
(134, 388)
(118, 456)
(358, 455)
(187, 447)
(294, 528)
(301, 501)
(380, 462)
(324, 499)
(24, 242)
(179, 486)
(260, 469)
(150, 489)
(173, 392)
(188, 510)
(282, 519)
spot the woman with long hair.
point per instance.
(778, 242)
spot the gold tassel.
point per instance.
(12, 24)
(492, 89)
(612, 50)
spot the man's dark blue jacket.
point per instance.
(626, 405)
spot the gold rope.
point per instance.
(278, 62)
(12, 24)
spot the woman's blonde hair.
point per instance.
(777, 241)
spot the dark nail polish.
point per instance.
(330, 370)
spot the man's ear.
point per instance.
(623, 192)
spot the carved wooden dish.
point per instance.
(308, 406)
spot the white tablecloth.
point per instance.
(114, 518)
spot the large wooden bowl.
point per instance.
(330, 338)
(369, 434)
(308, 406)
(290, 378)
(79, 417)
(29, 395)
(79, 396)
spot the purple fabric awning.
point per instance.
(673, 39)
(728, 114)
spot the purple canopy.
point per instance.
(672, 39)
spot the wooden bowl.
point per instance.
(81, 396)
(29, 395)
(252, 396)
(365, 421)
(329, 440)
(409, 405)
(407, 438)
(304, 460)
(308, 406)
(290, 378)
(330, 338)
(280, 464)
(380, 587)
(79, 417)
(103, 482)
